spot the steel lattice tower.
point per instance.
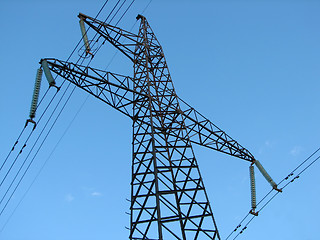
(168, 197)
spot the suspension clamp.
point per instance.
(31, 121)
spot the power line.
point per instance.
(54, 121)
(13, 147)
(22, 131)
(125, 12)
(10, 168)
(146, 7)
(116, 52)
(36, 153)
(25, 143)
(289, 176)
(16, 142)
(44, 164)
(25, 160)
(70, 122)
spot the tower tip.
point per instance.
(140, 17)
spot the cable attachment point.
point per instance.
(33, 122)
(253, 212)
(55, 86)
(277, 189)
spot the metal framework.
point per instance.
(168, 197)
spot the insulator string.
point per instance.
(48, 120)
(41, 114)
(289, 176)
(16, 142)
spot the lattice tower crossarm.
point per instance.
(168, 197)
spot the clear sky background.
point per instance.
(252, 67)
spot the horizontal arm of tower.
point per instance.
(114, 89)
(123, 40)
(203, 132)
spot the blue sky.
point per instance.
(252, 67)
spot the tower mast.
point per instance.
(168, 196)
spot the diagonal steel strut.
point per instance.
(117, 91)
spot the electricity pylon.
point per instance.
(168, 197)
